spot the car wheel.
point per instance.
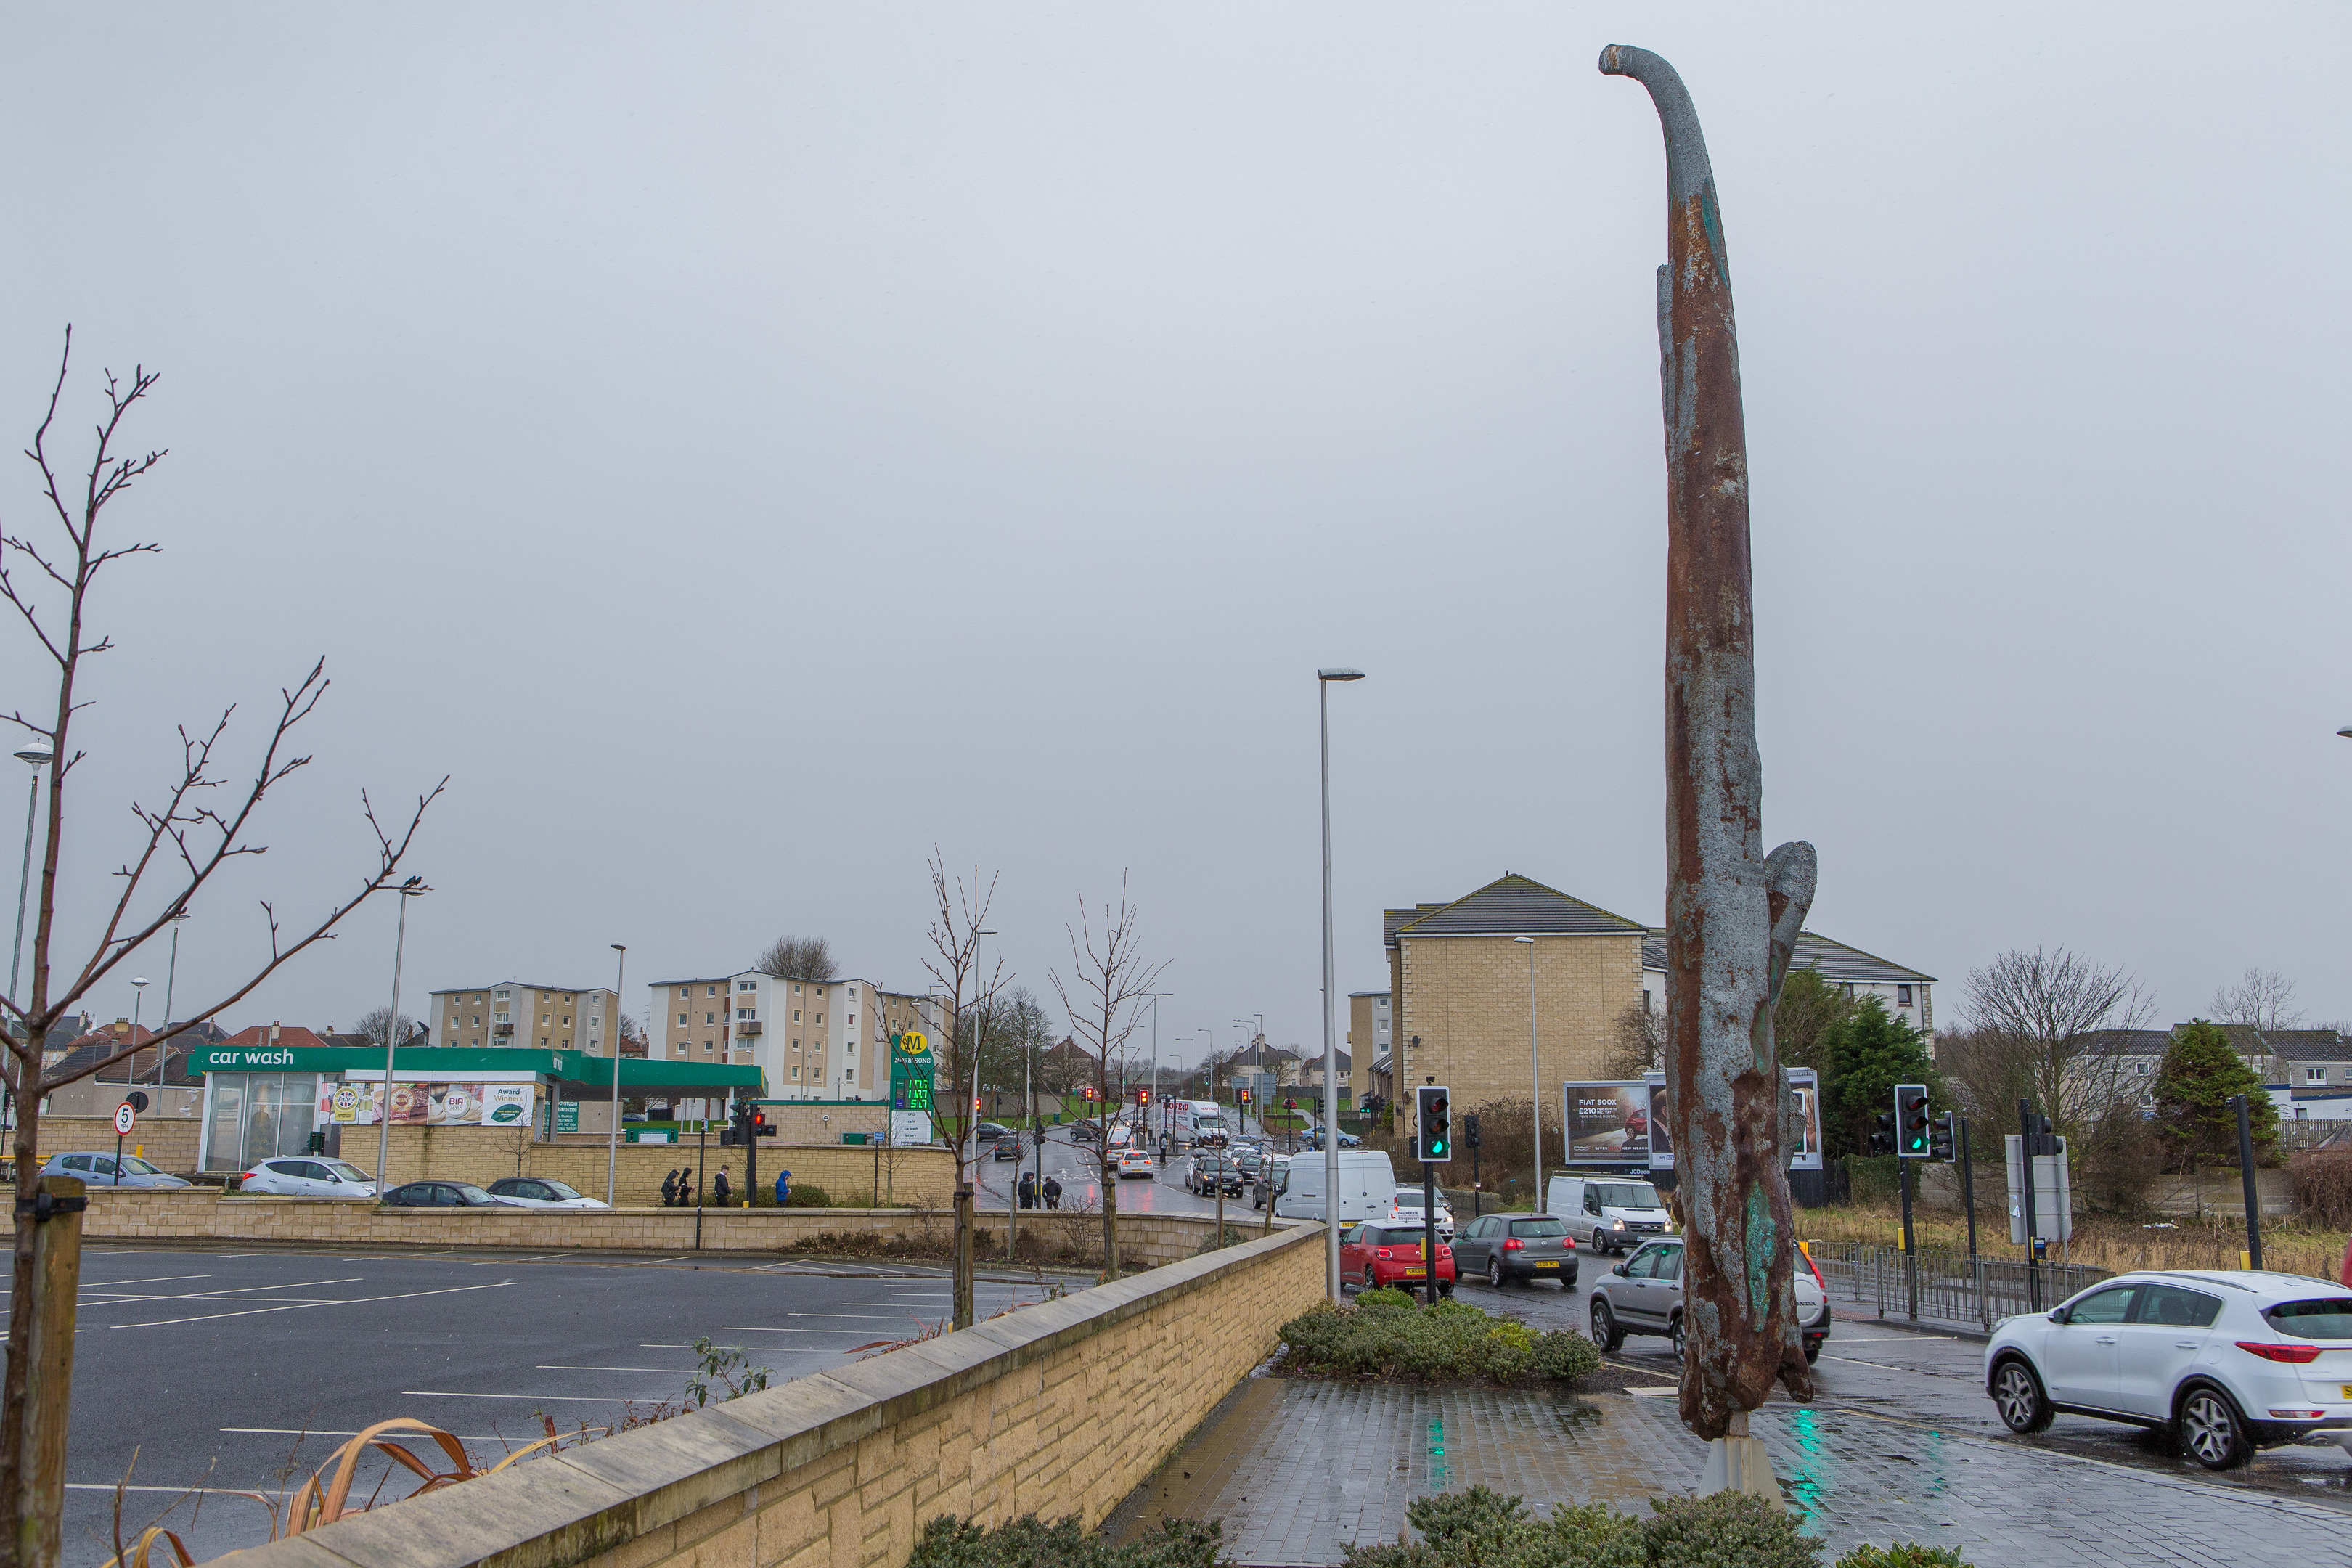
(1494, 1272)
(1605, 1331)
(1675, 1329)
(1812, 1351)
(1445, 1286)
(1371, 1281)
(2017, 1394)
(2210, 1431)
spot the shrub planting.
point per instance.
(1482, 1529)
(1386, 1336)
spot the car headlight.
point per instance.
(1619, 1224)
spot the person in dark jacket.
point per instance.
(720, 1193)
(686, 1193)
(1052, 1193)
(1028, 1189)
(669, 1188)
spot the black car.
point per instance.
(1008, 1147)
(1086, 1132)
(989, 1132)
(441, 1195)
(1212, 1171)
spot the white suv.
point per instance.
(1405, 1208)
(314, 1177)
(2227, 1361)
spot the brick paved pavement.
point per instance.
(1298, 1471)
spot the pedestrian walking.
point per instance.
(686, 1188)
(1028, 1189)
(669, 1188)
(719, 1190)
(1052, 1193)
(784, 1189)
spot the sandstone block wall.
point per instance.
(1466, 997)
(1062, 1408)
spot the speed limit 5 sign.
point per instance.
(124, 1118)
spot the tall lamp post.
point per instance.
(412, 888)
(171, 978)
(1323, 679)
(613, 1133)
(138, 996)
(1535, 1074)
(37, 754)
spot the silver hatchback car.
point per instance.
(1643, 1295)
(1507, 1247)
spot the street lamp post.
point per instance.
(1535, 1072)
(171, 978)
(37, 754)
(413, 888)
(613, 1133)
(138, 995)
(1323, 679)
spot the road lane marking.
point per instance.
(150, 1279)
(322, 1432)
(544, 1398)
(232, 1290)
(556, 1366)
(297, 1306)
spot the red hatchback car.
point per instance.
(1376, 1255)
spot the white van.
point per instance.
(1608, 1214)
(1195, 1119)
(1368, 1185)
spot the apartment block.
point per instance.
(811, 1039)
(528, 1017)
(1463, 986)
(1368, 1040)
(1906, 992)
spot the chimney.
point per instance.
(273, 1031)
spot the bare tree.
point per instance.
(799, 958)
(1104, 997)
(2265, 998)
(2045, 1026)
(202, 824)
(968, 1025)
(377, 1025)
(1636, 1044)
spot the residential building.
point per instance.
(1367, 1041)
(175, 1093)
(811, 1039)
(1908, 994)
(1460, 983)
(528, 1017)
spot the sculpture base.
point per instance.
(1740, 1465)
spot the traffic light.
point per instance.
(1245, 1097)
(1881, 1140)
(1142, 1096)
(1432, 1124)
(1090, 1094)
(1470, 1130)
(975, 1105)
(1944, 1137)
(1912, 1120)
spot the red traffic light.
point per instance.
(1142, 1096)
(975, 1104)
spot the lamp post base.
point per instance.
(1740, 1465)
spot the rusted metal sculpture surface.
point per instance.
(1732, 913)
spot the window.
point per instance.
(713, 990)
(2310, 1074)
(683, 992)
(543, 1018)
(850, 1076)
(2103, 1306)
(820, 1018)
(567, 1024)
(796, 991)
(1645, 1265)
(1552, 1227)
(796, 1046)
(2020, 1177)
(501, 997)
(1903, 999)
(747, 1012)
(681, 1020)
(853, 1024)
(2320, 1317)
(2174, 1308)
(796, 1018)
(709, 1019)
(796, 1072)
(754, 985)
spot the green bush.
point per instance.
(1872, 1178)
(1388, 1295)
(1902, 1554)
(1029, 1542)
(1386, 1335)
(1483, 1529)
(806, 1196)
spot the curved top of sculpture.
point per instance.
(1687, 169)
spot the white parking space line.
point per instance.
(172, 1280)
(674, 1371)
(322, 1432)
(235, 1290)
(543, 1257)
(295, 1306)
(544, 1398)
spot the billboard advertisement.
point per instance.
(1607, 1123)
(1662, 1137)
(353, 1102)
(1805, 1088)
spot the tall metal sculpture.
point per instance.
(1732, 912)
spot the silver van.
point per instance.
(1608, 1214)
(1368, 1186)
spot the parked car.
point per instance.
(989, 1132)
(99, 1170)
(1212, 1171)
(1133, 1163)
(1377, 1255)
(1314, 1140)
(1608, 1214)
(1507, 1247)
(542, 1192)
(311, 1178)
(2227, 1361)
(445, 1195)
(1405, 1208)
(1643, 1295)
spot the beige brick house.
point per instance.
(1458, 987)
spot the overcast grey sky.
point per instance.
(743, 446)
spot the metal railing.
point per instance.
(1944, 1285)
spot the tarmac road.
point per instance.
(242, 1370)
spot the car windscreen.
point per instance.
(563, 1194)
(1537, 1228)
(2321, 1318)
(1397, 1236)
(348, 1173)
(474, 1194)
(1408, 1198)
(133, 1166)
(1626, 1196)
